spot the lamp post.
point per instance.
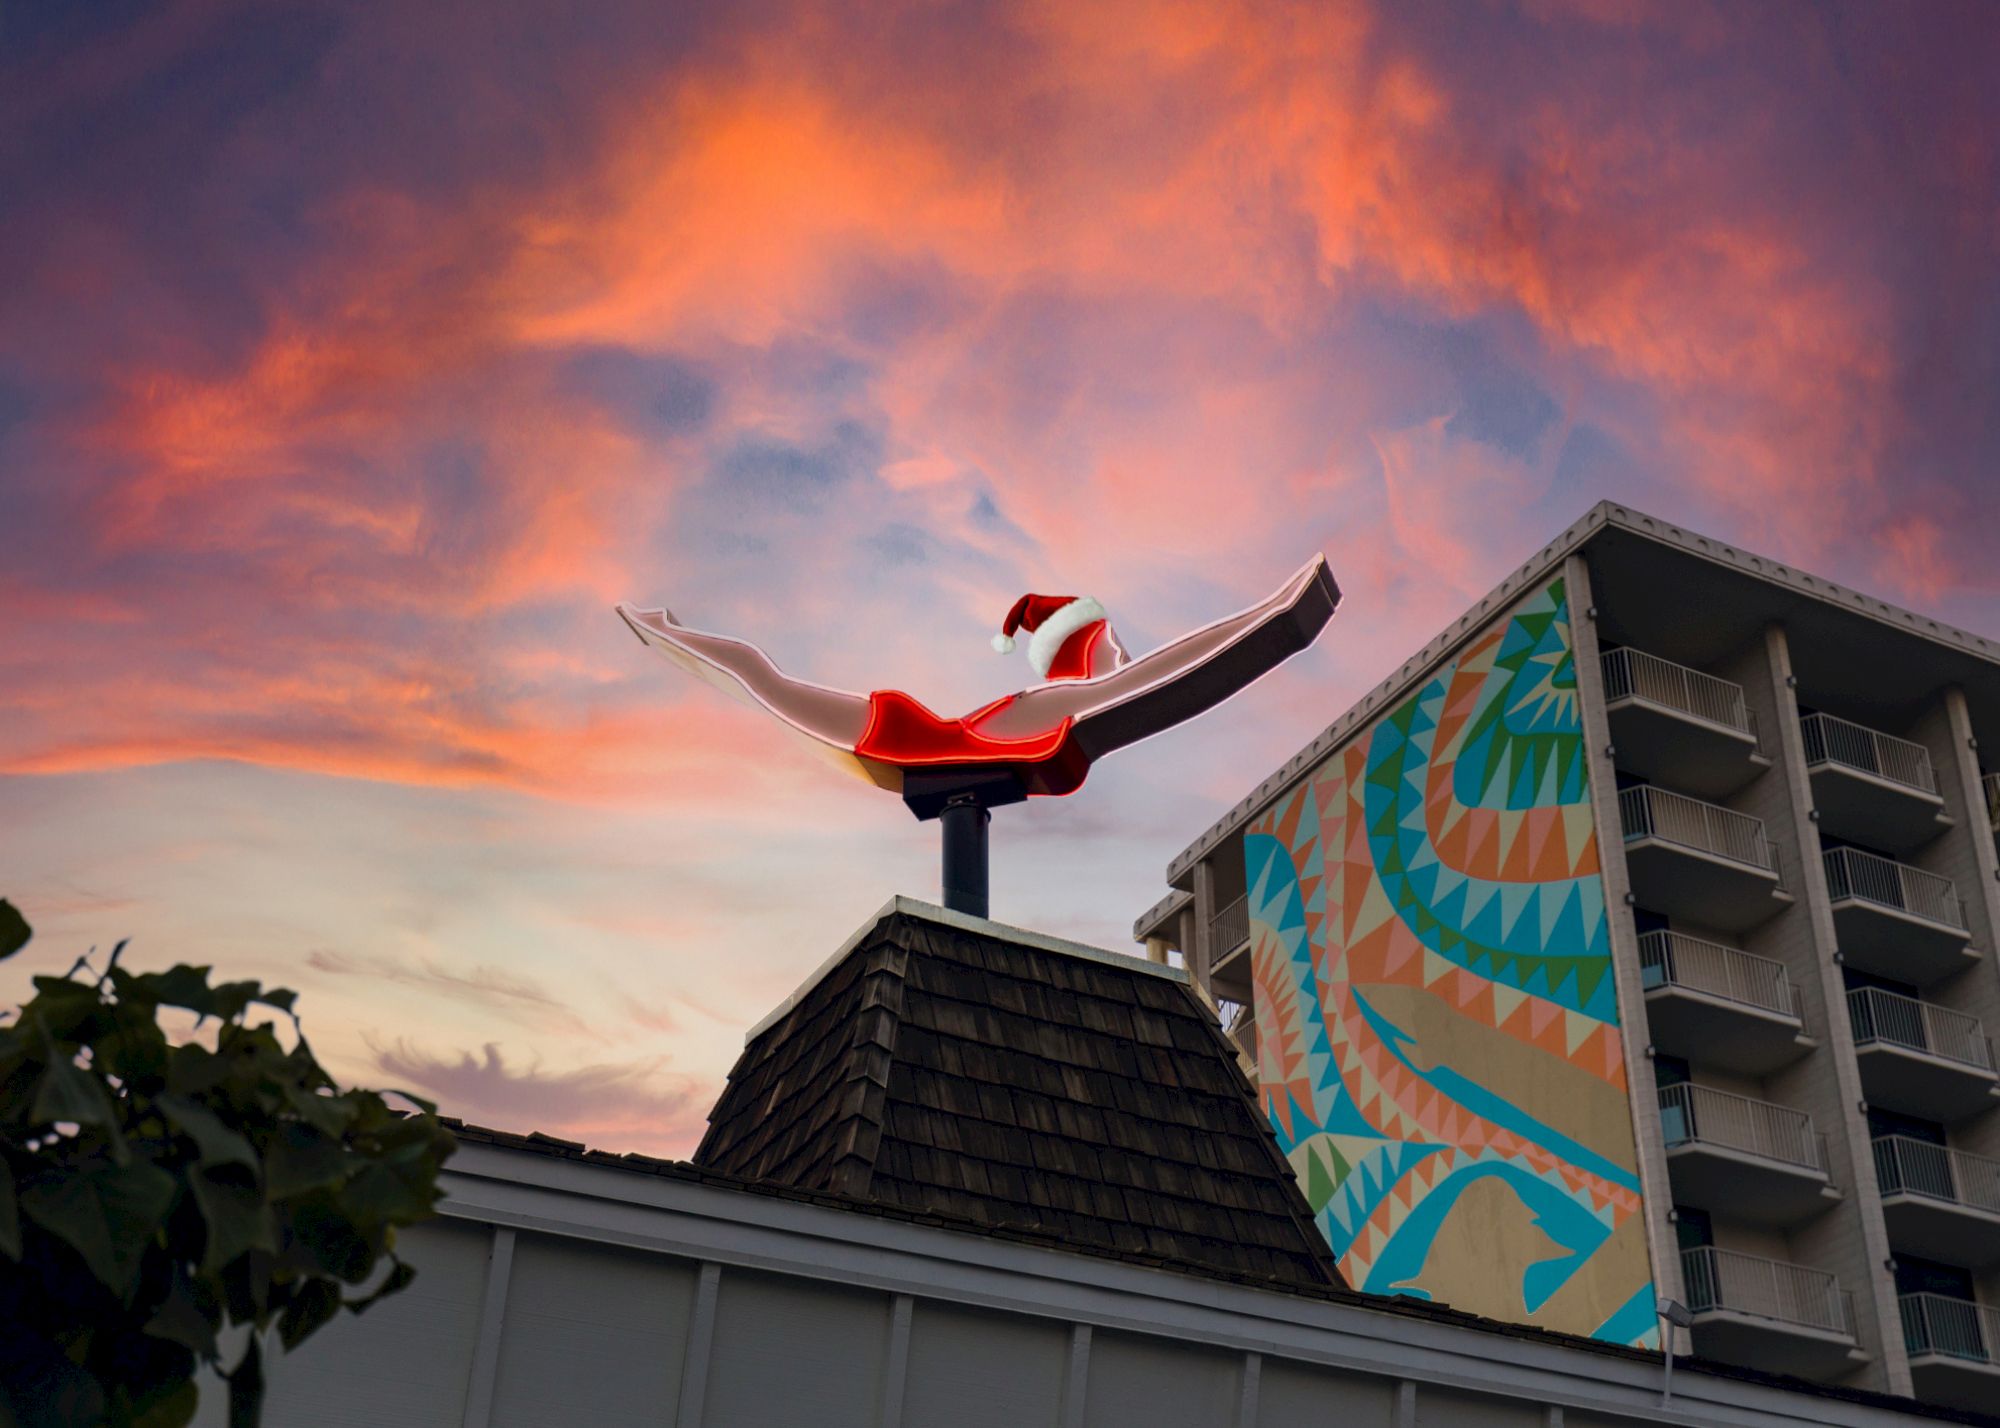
(1673, 1315)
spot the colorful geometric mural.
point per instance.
(1437, 1025)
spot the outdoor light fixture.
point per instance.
(1674, 1315)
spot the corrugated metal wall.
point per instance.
(596, 1336)
(566, 1296)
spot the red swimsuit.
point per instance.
(904, 734)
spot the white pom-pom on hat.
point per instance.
(1003, 644)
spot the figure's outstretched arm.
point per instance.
(1185, 676)
(741, 670)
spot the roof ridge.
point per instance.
(904, 905)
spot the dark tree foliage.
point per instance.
(151, 1195)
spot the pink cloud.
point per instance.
(616, 1106)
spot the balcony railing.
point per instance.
(1989, 784)
(1836, 741)
(1880, 1016)
(1955, 1328)
(1916, 1167)
(1691, 1114)
(1769, 1288)
(1229, 929)
(1634, 674)
(1853, 873)
(1648, 812)
(1677, 960)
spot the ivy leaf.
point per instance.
(378, 1194)
(218, 1144)
(327, 1114)
(67, 1092)
(194, 1069)
(179, 986)
(302, 1159)
(63, 1008)
(134, 1049)
(231, 998)
(107, 1213)
(189, 1316)
(172, 1409)
(236, 1215)
(398, 1280)
(324, 1236)
(14, 929)
(317, 1301)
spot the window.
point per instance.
(1856, 980)
(1930, 1276)
(1692, 1227)
(1882, 1122)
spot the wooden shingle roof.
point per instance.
(949, 1065)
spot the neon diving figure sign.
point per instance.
(1092, 699)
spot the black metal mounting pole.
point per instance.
(962, 798)
(965, 821)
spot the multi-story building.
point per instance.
(1664, 824)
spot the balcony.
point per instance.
(1954, 1349)
(1768, 1314)
(1229, 929)
(1679, 725)
(1938, 1202)
(1695, 860)
(1871, 786)
(1765, 1164)
(1921, 1058)
(1740, 1010)
(1893, 919)
(1229, 951)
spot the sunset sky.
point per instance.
(355, 359)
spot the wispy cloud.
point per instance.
(510, 994)
(615, 1106)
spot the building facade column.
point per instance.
(1851, 1238)
(1650, 1145)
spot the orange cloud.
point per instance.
(1140, 225)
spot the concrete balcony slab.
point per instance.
(1775, 1345)
(1872, 809)
(1922, 1083)
(1731, 1035)
(1749, 1187)
(1682, 750)
(1942, 1229)
(1894, 942)
(1701, 887)
(1956, 1382)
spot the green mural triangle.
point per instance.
(1319, 1185)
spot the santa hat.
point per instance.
(1050, 619)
